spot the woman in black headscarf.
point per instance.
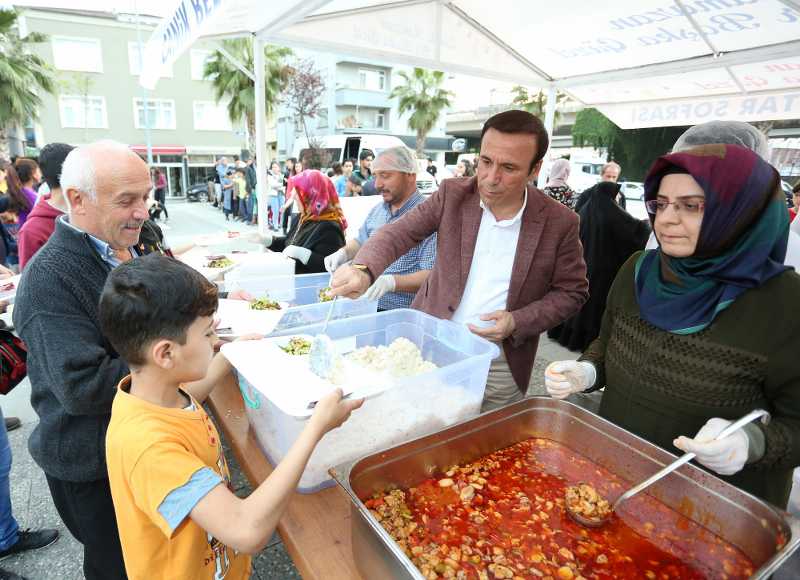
(609, 236)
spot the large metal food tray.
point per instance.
(765, 534)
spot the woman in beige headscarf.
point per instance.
(557, 186)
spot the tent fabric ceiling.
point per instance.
(617, 56)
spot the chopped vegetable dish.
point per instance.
(503, 516)
(220, 263)
(297, 346)
(264, 304)
(325, 294)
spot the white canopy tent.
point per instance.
(643, 63)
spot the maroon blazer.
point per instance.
(548, 280)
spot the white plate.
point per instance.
(237, 316)
(9, 295)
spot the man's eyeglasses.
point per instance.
(687, 207)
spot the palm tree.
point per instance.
(23, 77)
(423, 94)
(232, 84)
(535, 103)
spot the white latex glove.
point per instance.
(336, 259)
(299, 253)
(265, 239)
(726, 456)
(381, 286)
(565, 377)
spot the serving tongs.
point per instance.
(686, 458)
(323, 352)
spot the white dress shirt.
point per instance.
(490, 273)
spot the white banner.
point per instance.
(679, 112)
(174, 35)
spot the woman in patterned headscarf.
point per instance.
(695, 333)
(320, 229)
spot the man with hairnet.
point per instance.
(395, 173)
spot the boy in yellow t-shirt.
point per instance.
(178, 518)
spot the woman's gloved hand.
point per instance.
(299, 253)
(566, 377)
(726, 456)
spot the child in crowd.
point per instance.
(353, 186)
(228, 197)
(177, 515)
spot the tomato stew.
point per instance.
(503, 516)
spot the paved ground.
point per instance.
(31, 499)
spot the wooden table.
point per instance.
(316, 527)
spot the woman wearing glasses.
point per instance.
(695, 333)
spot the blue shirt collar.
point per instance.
(103, 248)
(415, 198)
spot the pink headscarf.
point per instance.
(319, 197)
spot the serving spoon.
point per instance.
(595, 522)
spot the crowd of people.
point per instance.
(682, 338)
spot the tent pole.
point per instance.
(262, 188)
(549, 122)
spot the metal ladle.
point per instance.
(686, 458)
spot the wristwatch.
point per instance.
(365, 269)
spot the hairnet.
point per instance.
(728, 132)
(398, 158)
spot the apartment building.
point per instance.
(97, 59)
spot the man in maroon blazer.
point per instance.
(509, 260)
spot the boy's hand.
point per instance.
(332, 411)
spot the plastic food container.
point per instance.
(392, 413)
(301, 292)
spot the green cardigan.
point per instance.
(660, 385)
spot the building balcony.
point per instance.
(346, 96)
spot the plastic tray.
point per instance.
(301, 292)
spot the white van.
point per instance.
(337, 148)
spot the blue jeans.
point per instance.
(275, 203)
(9, 530)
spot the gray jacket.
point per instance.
(73, 368)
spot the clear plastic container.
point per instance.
(409, 408)
(302, 292)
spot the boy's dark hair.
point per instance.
(240, 171)
(516, 122)
(150, 298)
(365, 153)
(25, 168)
(796, 188)
(51, 160)
(337, 168)
(356, 180)
(353, 161)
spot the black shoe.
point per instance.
(30, 540)
(9, 575)
(12, 423)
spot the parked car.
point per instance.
(632, 189)
(198, 192)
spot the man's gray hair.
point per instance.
(79, 172)
(399, 158)
(728, 132)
